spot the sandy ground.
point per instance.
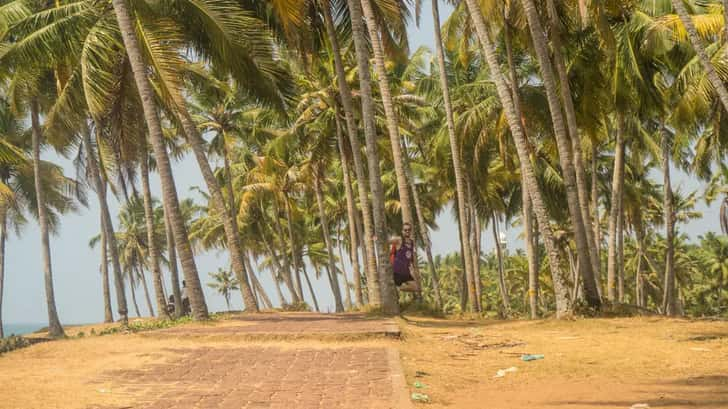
(597, 363)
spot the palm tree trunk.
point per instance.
(107, 226)
(454, 146)
(370, 260)
(583, 14)
(133, 294)
(347, 285)
(595, 210)
(710, 72)
(530, 253)
(488, 49)
(398, 152)
(151, 239)
(285, 272)
(617, 184)
(639, 282)
(310, 289)
(169, 191)
(668, 299)
(261, 291)
(501, 274)
(174, 275)
(333, 279)
(565, 147)
(55, 329)
(143, 279)
(474, 232)
(531, 244)
(620, 251)
(108, 313)
(387, 292)
(3, 239)
(351, 215)
(218, 201)
(294, 248)
(281, 271)
(590, 285)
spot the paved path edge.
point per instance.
(400, 391)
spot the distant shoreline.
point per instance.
(21, 328)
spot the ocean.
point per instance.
(20, 329)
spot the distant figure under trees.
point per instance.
(724, 216)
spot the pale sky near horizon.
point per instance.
(76, 267)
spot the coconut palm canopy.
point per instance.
(319, 134)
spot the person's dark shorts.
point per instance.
(401, 278)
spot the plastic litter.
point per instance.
(502, 372)
(420, 397)
(420, 374)
(531, 357)
(419, 385)
(639, 406)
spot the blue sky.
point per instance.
(76, 266)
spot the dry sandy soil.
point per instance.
(596, 363)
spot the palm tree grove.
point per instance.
(364, 203)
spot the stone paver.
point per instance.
(269, 376)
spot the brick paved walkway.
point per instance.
(297, 376)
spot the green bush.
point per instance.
(12, 343)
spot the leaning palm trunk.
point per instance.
(531, 249)
(3, 238)
(169, 191)
(595, 211)
(174, 274)
(218, 201)
(55, 329)
(281, 271)
(370, 260)
(143, 279)
(310, 288)
(389, 113)
(620, 251)
(473, 229)
(565, 146)
(695, 41)
(668, 299)
(347, 285)
(294, 248)
(560, 288)
(285, 272)
(531, 244)
(133, 295)
(260, 290)
(581, 181)
(454, 146)
(108, 313)
(501, 274)
(388, 295)
(333, 276)
(617, 186)
(152, 244)
(351, 216)
(106, 226)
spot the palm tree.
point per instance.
(386, 281)
(561, 293)
(225, 283)
(171, 202)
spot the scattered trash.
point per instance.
(531, 357)
(450, 337)
(419, 385)
(502, 372)
(700, 349)
(103, 391)
(639, 406)
(420, 374)
(420, 397)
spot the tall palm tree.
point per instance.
(386, 279)
(454, 148)
(225, 283)
(171, 202)
(488, 49)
